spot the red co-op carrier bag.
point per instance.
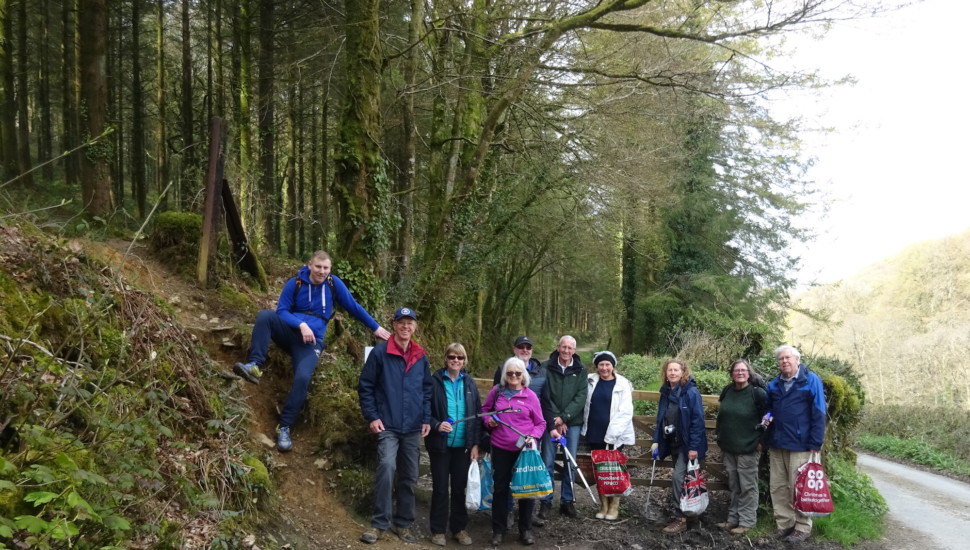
(812, 497)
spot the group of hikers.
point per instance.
(535, 404)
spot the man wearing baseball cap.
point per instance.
(522, 348)
(395, 398)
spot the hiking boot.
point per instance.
(283, 441)
(544, 509)
(372, 535)
(438, 538)
(405, 534)
(726, 525)
(740, 530)
(249, 371)
(798, 536)
(526, 538)
(679, 525)
(497, 539)
(568, 509)
(463, 538)
(782, 533)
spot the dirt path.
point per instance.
(925, 509)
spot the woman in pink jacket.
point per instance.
(507, 430)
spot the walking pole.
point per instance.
(646, 507)
(569, 458)
(484, 414)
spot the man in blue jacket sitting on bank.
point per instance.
(298, 325)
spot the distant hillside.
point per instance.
(904, 322)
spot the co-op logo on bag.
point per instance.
(816, 480)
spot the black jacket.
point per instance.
(436, 442)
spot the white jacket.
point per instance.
(620, 431)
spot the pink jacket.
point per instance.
(529, 421)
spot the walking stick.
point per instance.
(569, 458)
(481, 415)
(646, 507)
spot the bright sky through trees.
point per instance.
(896, 165)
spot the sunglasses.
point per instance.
(456, 357)
(513, 373)
(524, 346)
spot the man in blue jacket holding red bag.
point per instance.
(796, 401)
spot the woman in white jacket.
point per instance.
(608, 417)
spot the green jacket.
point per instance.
(564, 394)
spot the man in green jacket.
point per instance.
(563, 400)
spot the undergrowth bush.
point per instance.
(114, 436)
(945, 429)
(349, 446)
(644, 373)
(175, 236)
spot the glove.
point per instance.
(654, 451)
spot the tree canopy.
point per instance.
(602, 168)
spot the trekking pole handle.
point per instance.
(449, 420)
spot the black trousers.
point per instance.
(449, 469)
(503, 464)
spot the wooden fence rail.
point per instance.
(640, 461)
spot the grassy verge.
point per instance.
(859, 508)
(917, 450)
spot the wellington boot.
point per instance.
(613, 513)
(604, 507)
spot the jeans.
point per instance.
(783, 469)
(503, 464)
(270, 326)
(449, 469)
(742, 473)
(396, 454)
(549, 457)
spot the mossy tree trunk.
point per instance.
(360, 186)
(266, 126)
(8, 137)
(95, 172)
(242, 67)
(161, 99)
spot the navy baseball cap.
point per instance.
(405, 312)
(522, 340)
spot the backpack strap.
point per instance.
(296, 290)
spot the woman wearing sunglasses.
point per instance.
(520, 427)
(452, 446)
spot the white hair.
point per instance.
(794, 351)
(516, 362)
